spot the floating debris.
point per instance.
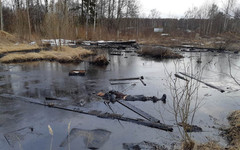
(77, 73)
(15, 137)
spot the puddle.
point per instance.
(50, 79)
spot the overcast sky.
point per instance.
(173, 8)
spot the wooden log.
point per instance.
(143, 82)
(82, 110)
(180, 77)
(207, 84)
(138, 111)
(123, 79)
(119, 83)
(137, 121)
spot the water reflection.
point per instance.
(50, 79)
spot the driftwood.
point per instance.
(207, 84)
(99, 114)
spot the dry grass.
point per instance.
(8, 43)
(233, 133)
(159, 52)
(6, 37)
(66, 55)
(209, 146)
(4, 48)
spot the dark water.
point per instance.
(50, 79)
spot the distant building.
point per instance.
(158, 29)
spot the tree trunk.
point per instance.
(29, 23)
(46, 6)
(1, 15)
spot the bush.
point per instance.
(159, 52)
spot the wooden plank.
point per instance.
(139, 111)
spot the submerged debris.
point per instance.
(145, 145)
(14, 137)
(94, 113)
(93, 139)
(115, 95)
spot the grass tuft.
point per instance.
(100, 60)
(65, 55)
(159, 53)
(233, 133)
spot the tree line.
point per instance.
(109, 19)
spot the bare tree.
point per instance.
(29, 22)
(185, 100)
(228, 7)
(154, 14)
(1, 14)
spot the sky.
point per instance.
(172, 8)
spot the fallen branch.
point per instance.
(180, 77)
(125, 79)
(119, 83)
(139, 111)
(99, 114)
(122, 79)
(207, 84)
